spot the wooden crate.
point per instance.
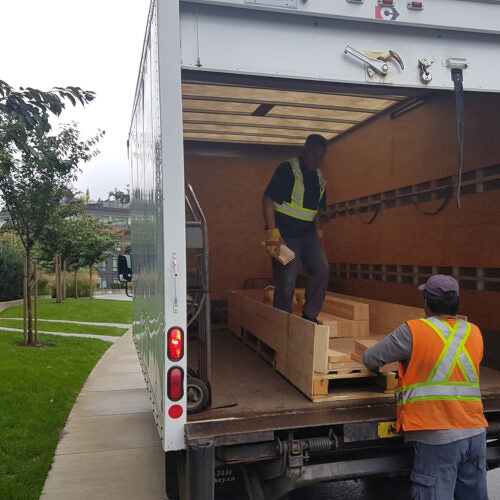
(307, 354)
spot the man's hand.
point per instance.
(273, 241)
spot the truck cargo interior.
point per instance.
(392, 217)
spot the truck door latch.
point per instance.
(423, 64)
(175, 269)
(377, 63)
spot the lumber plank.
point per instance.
(387, 381)
(337, 356)
(384, 317)
(320, 387)
(352, 395)
(268, 324)
(346, 308)
(321, 356)
(361, 328)
(300, 354)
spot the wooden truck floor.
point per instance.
(245, 385)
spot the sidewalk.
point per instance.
(110, 448)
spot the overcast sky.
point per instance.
(92, 44)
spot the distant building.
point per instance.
(118, 216)
(115, 214)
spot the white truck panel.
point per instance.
(482, 16)
(270, 43)
(158, 230)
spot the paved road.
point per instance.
(376, 489)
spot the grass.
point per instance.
(38, 387)
(50, 326)
(84, 309)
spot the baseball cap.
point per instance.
(440, 284)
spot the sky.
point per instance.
(92, 44)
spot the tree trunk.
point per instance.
(76, 283)
(25, 302)
(35, 271)
(64, 279)
(58, 278)
(91, 268)
(28, 301)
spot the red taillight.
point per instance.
(175, 344)
(175, 383)
(415, 5)
(386, 2)
(175, 411)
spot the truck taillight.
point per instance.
(175, 344)
(175, 387)
(385, 2)
(415, 5)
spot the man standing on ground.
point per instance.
(438, 399)
(291, 203)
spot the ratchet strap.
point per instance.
(457, 78)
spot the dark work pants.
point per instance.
(450, 471)
(308, 250)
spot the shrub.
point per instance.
(11, 270)
(47, 286)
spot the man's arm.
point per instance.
(397, 346)
(268, 211)
(317, 220)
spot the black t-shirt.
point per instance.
(280, 190)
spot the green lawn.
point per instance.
(84, 309)
(38, 386)
(50, 326)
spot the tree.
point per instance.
(57, 242)
(95, 242)
(120, 196)
(36, 166)
(11, 268)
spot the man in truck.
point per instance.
(291, 202)
(439, 405)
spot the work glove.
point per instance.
(320, 233)
(273, 241)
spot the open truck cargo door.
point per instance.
(158, 224)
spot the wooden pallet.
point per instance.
(304, 352)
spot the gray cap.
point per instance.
(439, 285)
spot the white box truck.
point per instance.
(229, 89)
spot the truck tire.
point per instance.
(197, 395)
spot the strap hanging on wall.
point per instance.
(457, 78)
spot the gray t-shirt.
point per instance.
(398, 346)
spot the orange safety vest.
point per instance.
(439, 389)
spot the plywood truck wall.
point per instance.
(230, 191)
(417, 147)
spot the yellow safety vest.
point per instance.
(296, 208)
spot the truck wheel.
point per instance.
(197, 395)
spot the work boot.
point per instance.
(314, 320)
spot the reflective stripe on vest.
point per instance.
(296, 208)
(438, 385)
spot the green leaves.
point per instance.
(32, 107)
(35, 166)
